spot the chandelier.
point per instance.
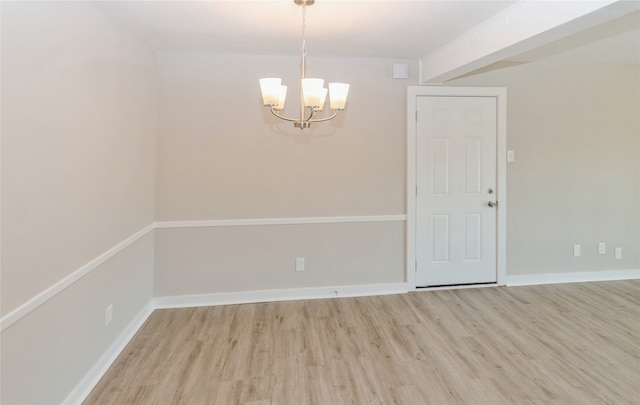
(312, 92)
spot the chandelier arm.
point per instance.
(312, 113)
(324, 119)
(273, 111)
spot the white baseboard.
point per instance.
(91, 379)
(581, 277)
(290, 294)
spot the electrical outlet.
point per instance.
(576, 250)
(300, 264)
(602, 248)
(109, 315)
(618, 253)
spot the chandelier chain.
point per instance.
(303, 56)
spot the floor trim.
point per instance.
(578, 277)
(289, 294)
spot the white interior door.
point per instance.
(456, 179)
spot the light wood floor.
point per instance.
(554, 344)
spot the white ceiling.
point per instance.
(355, 28)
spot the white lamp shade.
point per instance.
(338, 95)
(270, 88)
(323, 98)
(282, 96)
(312, 92)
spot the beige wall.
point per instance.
(79, 124)
(222, 155)
(252, 258)
(576, 177)
(78, 141)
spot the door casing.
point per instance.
(413, 92)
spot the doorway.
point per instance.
(456, 215)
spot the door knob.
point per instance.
(493, 204)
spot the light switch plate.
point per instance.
(511, 156)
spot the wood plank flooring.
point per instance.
(553, 344)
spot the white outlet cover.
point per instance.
(109, 315)
(618, 253)
(576, 250)
(602, 248)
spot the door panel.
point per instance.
(440, 238)
(473, 156)
(440, 170)
(456, 178)
(473, 236)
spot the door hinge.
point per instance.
(416, 267)
(416, 191)
(416, 115)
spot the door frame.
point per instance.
(500, 93)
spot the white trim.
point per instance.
(91, 379)
(412, 184)
(501, 95)
(581, 277)
(501, 194)
(24, 309)
(278, 221)
(290, 294)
